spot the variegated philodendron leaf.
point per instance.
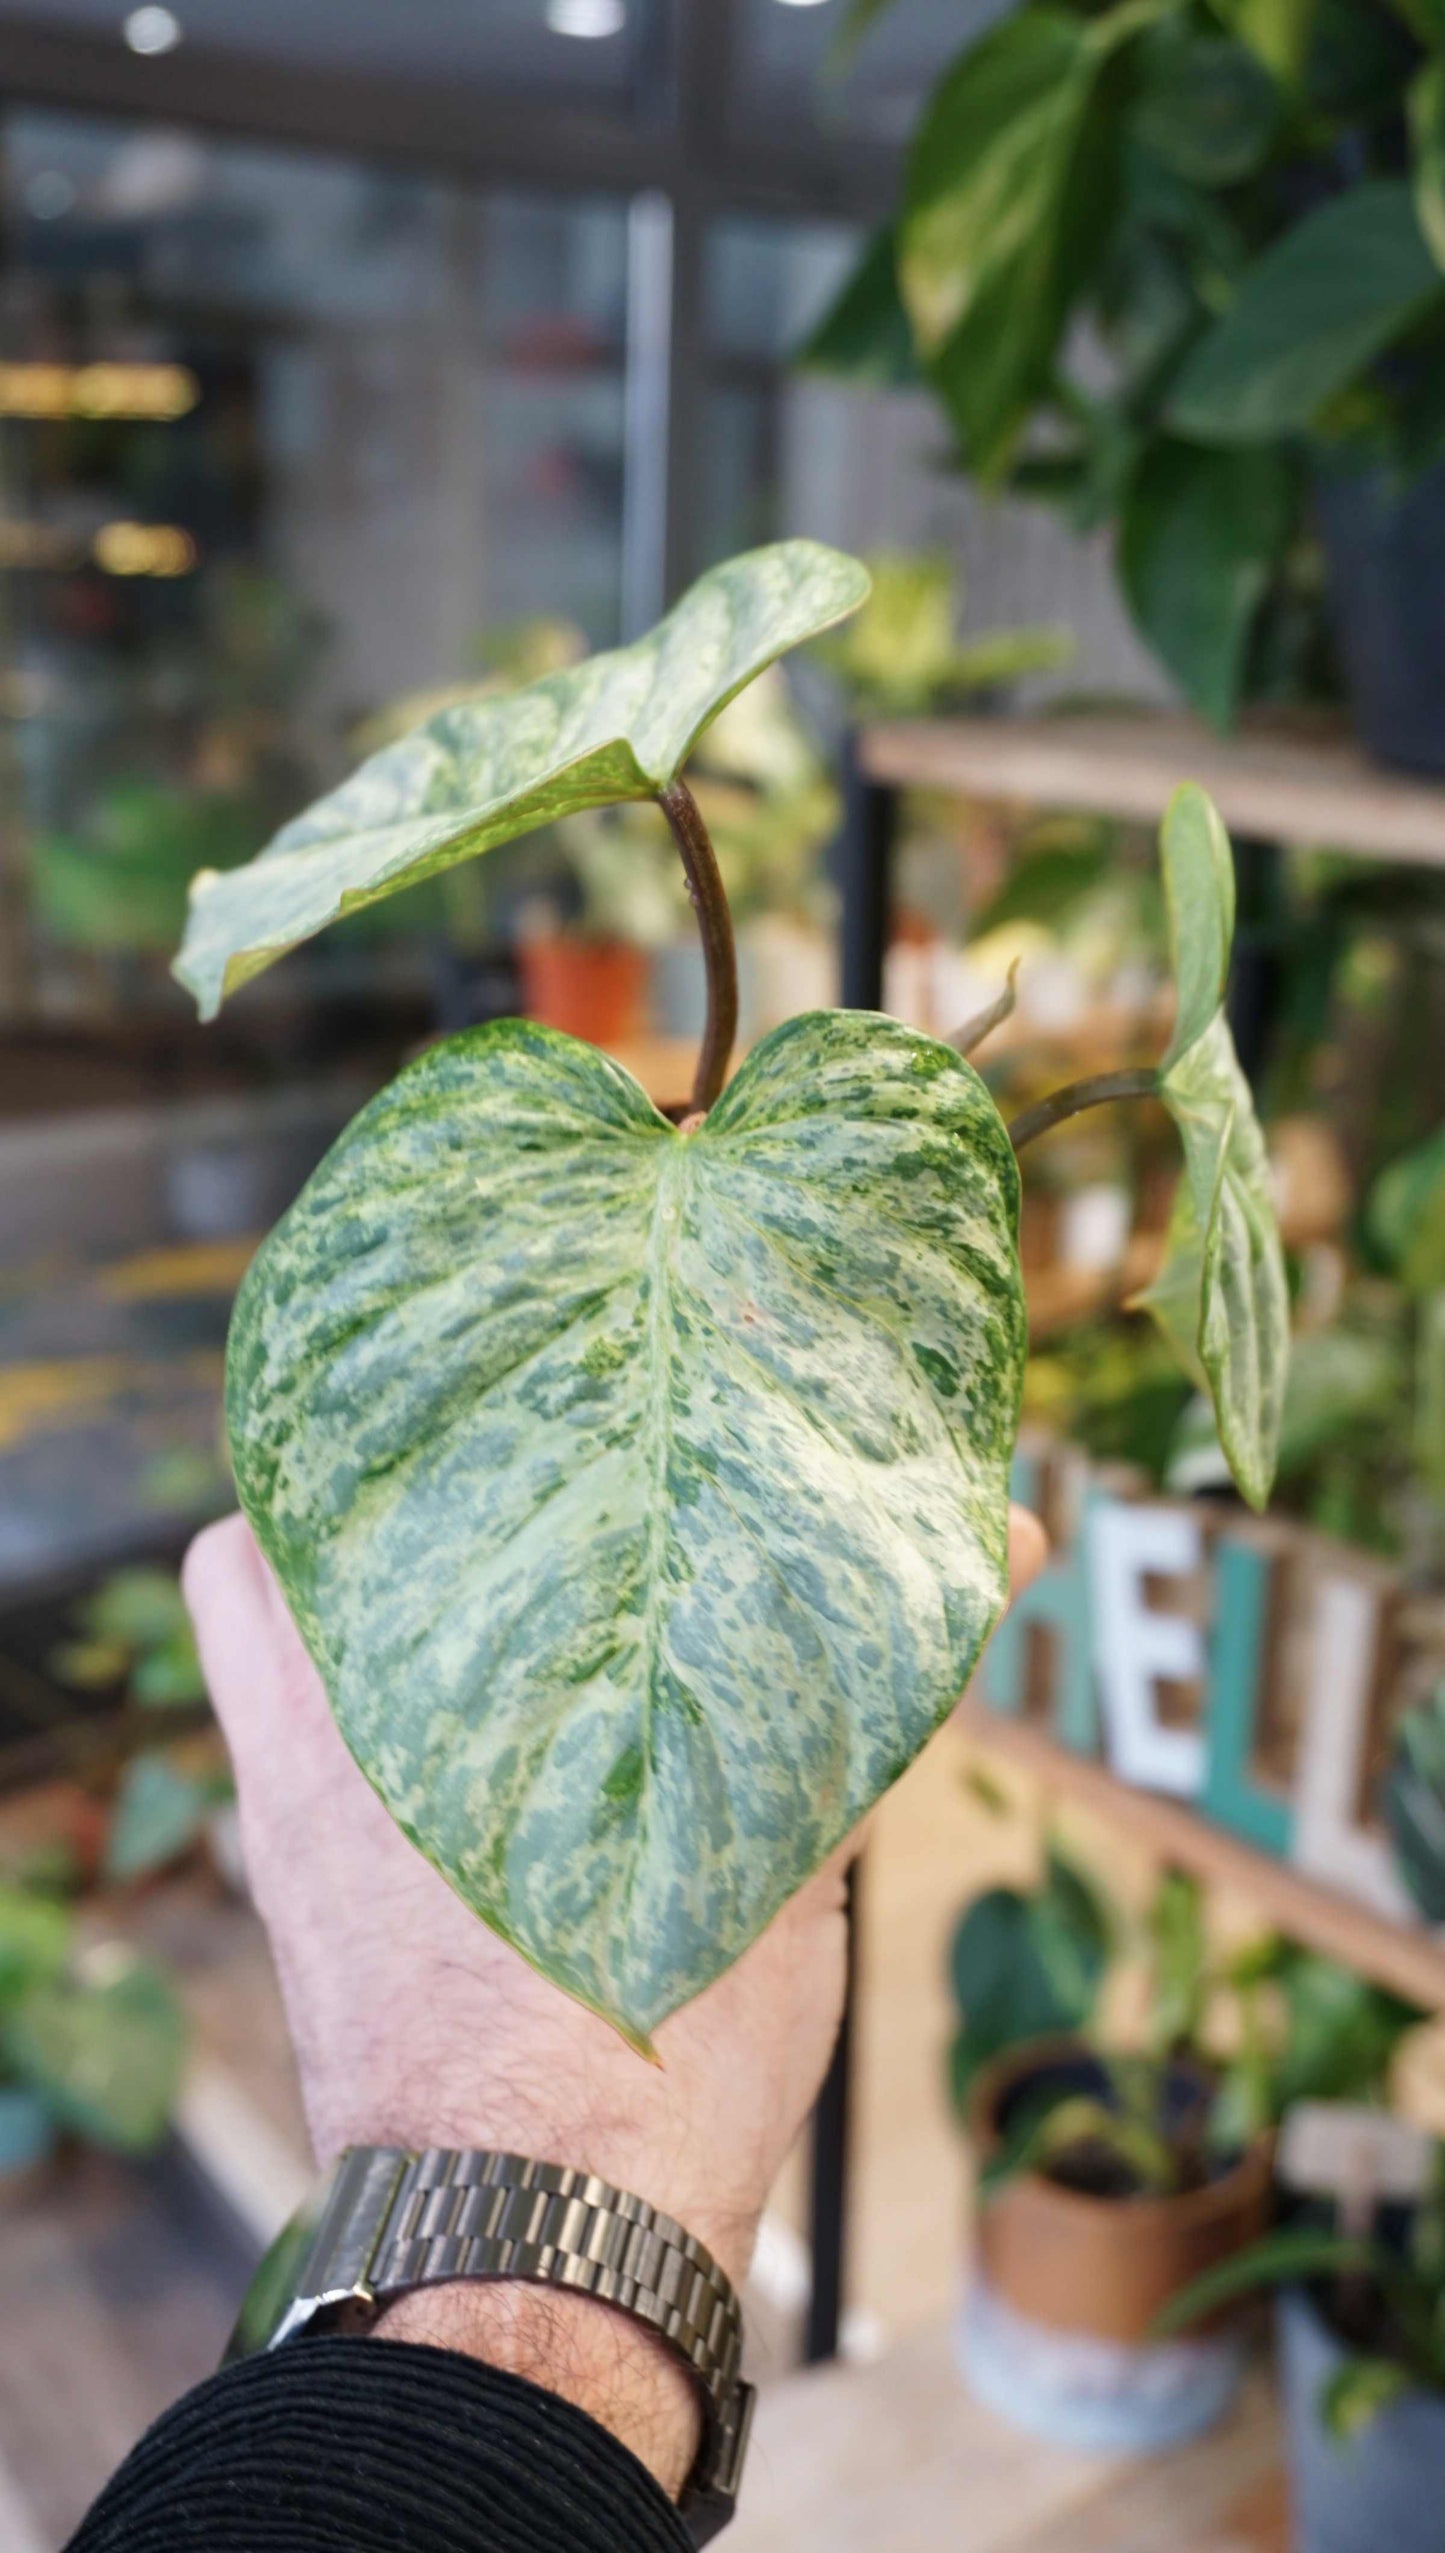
(1221, 1297)
(480, 772)
(641, 1496)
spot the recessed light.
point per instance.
(152, 31)
(587, 18)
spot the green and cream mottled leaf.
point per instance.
(642, 1497)
(1198, 868)
(480, 772)
(1220, 1297)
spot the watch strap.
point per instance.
(391, 2220)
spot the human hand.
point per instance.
(415, 2025)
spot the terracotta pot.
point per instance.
(1102, 2267)
(590, 988)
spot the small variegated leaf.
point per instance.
(641, 1496)
(1198, 868)
(480, 772)
(1221, 1297)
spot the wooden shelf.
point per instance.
(1279, 787)
(1410, 1963)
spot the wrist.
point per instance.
(603, 2362)
(695, 2187)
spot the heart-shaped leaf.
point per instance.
(1220, 1297)
(642, 1497)
(480, 772)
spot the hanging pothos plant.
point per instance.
(641, 1488)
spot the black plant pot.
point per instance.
(1384, 545)
(1382, 2491)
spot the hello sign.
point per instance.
(1249, 1667)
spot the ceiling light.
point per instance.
(158, 391)
(152, 31)
(586, 17)
(144, 549)
(801, 4)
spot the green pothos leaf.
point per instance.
(104, 2046)
(481, 771)
(640, 1496)
(1220, 1298)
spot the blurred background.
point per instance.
(354, 358)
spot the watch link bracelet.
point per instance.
(385, 2220)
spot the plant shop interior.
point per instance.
(1064, 381)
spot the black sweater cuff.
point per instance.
(376, 2446)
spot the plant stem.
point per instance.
(715, 925)
(1136, 1082)
(983, 1023)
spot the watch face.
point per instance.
(319, 2264)
(272, 2291)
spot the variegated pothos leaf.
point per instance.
(480, 772)
(1221, 1297)
(642, 1497)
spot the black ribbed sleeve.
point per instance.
(375, 2446)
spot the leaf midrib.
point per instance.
(673, 1176)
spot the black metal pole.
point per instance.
(1257, 970)
(828, 2184)
(862, 863)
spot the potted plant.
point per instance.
(135, 1637)
(1178, 269)
(1361, 2295)
(1111, 2176)
(640, 1485)
(116, 885)
(92, 2039)
(1362, 2342)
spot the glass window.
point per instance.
(765, 284)
(285, 440)
(285, 425)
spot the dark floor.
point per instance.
(117, 2291)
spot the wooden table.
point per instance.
(1272, 785)
(898, 2458)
